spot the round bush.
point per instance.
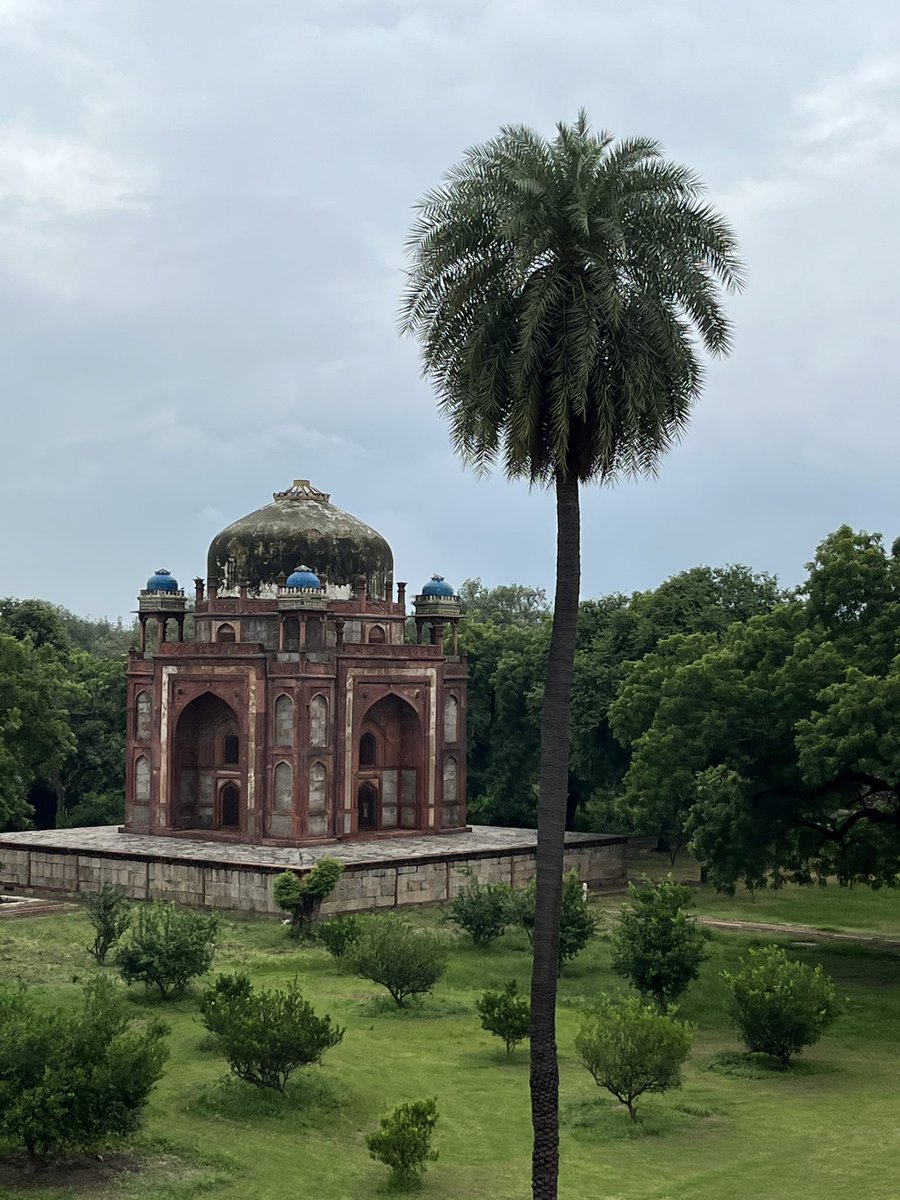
(779, 1005)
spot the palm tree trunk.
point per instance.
(552, 794)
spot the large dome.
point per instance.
(300, 526)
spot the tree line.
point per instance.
(758, 723)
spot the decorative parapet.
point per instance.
(300, 599)
(161, 602)
(437, 606)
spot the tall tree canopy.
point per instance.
(777, 742)
(560, 290)
(62, 715)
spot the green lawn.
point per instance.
(827, 1130)
(841, 909)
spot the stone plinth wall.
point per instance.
(203, 882)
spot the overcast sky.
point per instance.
(203, 205)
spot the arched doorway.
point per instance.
(208, 762)
(230, 807)
(366, 807)
(388, 759)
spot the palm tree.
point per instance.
(561, 292)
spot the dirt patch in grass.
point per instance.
(97, 1176)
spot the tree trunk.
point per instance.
(553, 789)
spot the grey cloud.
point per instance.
(202, 215)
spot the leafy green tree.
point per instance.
(33, 621)
(406, 961)
(35, 733)
(507, 664)
(483, 910)
(266, 1034)
(509, 605)
(403, 1142)
(779, 1005)
(613, 634)
(338, 934)
(109, 912)
(69, 727)
(560, 290)
(506, 1014)
(93, 775)
(71, 1079)
(303, 895)
(577, 924)
(631, 1049)
(167, 947)
(776, 740)
(657, 945)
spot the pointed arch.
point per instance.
(142, 779)
(143, 709)
(368, 749)
(226, 632)
(283, 787)
(451, 719)
(451, 791)
(398, 770)
(229, 806)
(376, 636)
(284, 721)
(317, 804)
(318, 721)
(206, 752)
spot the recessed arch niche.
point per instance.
(207, 754)
(392, 726)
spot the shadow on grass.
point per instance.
(601, 1118)
(309, 1094)
(415, 1008)
(760, 1066)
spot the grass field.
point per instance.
(840, 909)
(828, 1129)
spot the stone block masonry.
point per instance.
(379, 873)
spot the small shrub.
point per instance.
(505, 1014)
(403, 1142)
(338, 934)
(72, 1079)
(657, 945)
(109, 912)
(777, 1005)
(167, 948)
(630, 1048)
(577, 924)
(267, 1034)
(302, 895)
(407, 961)
(483, 910)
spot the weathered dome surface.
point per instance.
(162, 581)
(300, 526)
(437, 586)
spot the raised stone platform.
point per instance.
(378, 872)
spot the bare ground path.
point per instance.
(799, 931)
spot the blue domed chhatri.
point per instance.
(437, 586)
(302, 577)
(162, 581)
